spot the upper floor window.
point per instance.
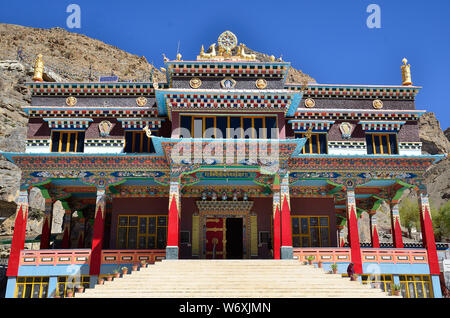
(382, 144)
(138, 142)
(254, 127)
(67, 141)
(316, 144)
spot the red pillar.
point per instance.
(373, 226)
(46, 226)
(276, 234)
(286, 224)
(353, 232)
(174, 225)
(428, 234)
(396, 228)
(18, 240)
(97, 238)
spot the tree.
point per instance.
(441, 222)
(409, 215)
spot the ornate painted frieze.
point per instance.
(99, 89)
(360, 92)
(219, 69)
(55, 113)
(361, 114)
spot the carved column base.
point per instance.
(172, 252)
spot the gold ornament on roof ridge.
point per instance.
(406, 73)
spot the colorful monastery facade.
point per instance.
(223, 160)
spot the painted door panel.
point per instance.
(215, 234)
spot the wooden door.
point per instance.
(215, 238)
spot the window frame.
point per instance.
(405, 285)
(252, 117)
(317, 135)
(69, 132)
(33, 284)
(308, 236)
(139, 235)
(379, 136)
(150, 145)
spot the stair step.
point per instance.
(231, 279)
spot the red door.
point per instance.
(215, 238)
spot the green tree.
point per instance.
(441, 222)
(409, 215)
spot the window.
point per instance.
(384, 282)
(138, 142)
(381, 144)
(310, 231)
(263, 127)
(416, 286)
(142, 232)
(316, 144)
(32, 287)
(67, 141)
(66, 283)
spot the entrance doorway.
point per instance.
(234, 236)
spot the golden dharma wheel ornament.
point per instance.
(71, 101)
(141, 101)
(309, 102)
(227, 41)
(261, 83)
(377, 104)
(195, 82)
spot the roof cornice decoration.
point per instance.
(68, 123)
(229, 100)
(140, 123)
(381, 125)
(357, 91)
(357, 114)
(236, 69)
(316, 125)
(52, 111)
(91, 88)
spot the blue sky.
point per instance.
(327, 39)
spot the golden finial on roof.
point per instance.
(38, 69)
(406, 73)
(178, 57)
(272, 58)
(202, 50)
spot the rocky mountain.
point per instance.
(75, 57)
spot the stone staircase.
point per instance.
(231, 279)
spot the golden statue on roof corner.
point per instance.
(38, 69)
(406, 73)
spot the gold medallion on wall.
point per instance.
(141, 101)
(309, 102)
(195, 82)
(377, 104)
(261, 83)
(71, 101)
